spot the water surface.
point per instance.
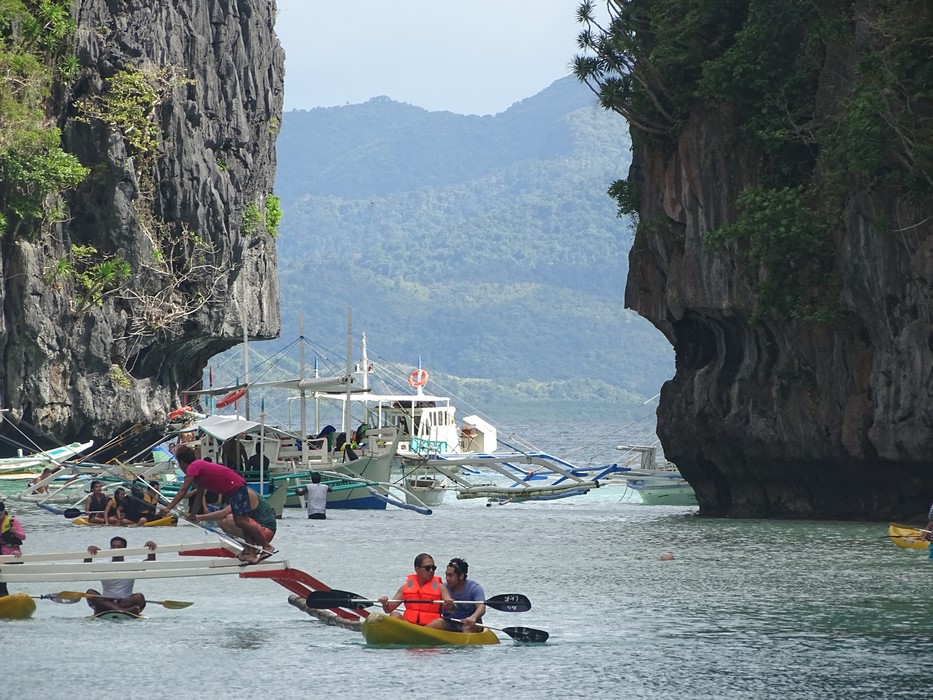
(748, 609)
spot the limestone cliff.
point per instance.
(804, 334)
(177, 208)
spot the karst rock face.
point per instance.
(774, 417)
(78, 369)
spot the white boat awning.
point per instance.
(225, 427)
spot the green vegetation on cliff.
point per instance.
(34, 170)
(758, 65)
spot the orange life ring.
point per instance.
(179, 412)
(418, 378)
(231, 397)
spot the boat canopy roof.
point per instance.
(225, 427)
(387, 399)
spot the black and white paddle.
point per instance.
(507, 602)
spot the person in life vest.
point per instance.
(421, 586)
(11, 537)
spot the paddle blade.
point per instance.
(72, 595)
(337, 599)
(72, 513)
(172, 604)
(509, 602)
(56, 599)
(528, 635)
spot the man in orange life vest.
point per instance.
(421, 585)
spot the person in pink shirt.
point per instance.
(11, 537)
(216, 478)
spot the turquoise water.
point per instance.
(748, 609)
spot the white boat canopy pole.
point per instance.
(346, 404)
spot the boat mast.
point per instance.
(365, 365)
(245, 360)
(301, 391)
(346, 403)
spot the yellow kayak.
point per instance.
(907, 537)
(17, 606)
(167, 521)
(382, 629)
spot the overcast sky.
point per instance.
(465, 56)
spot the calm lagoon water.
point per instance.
(748, 609)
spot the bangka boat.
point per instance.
(24, 467)
(16, 606)
(430, 444)
(291, 460)
(385, 630)
(658, 483)
(907, 537)
(85, 566)
(425, 488)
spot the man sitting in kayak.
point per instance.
(136, 509)
(461, 588)
(216, 478)
(423, 586)
(117, 594)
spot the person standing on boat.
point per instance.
(207, 476)
(317, 498)
(254, 462)
(461, 588)
(422, 586)
(12, 535)
(95, 504)
(117, 594)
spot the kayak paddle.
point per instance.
(74, 596)
(528, 635)
(54, 598)
(507, 602)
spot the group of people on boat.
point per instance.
(136, 508)
(460, 607)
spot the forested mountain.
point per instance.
(485, 246)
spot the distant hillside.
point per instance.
(486, 246)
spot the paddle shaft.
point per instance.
(68, 596)
(509, 602)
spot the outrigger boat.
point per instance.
(30, 466)
(658, 483)
(292, 460)
(70, 566)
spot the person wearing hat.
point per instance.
(11, 537)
